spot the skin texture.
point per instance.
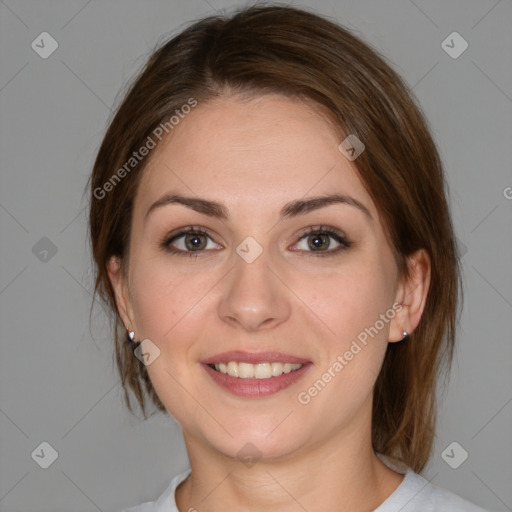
(254, 156)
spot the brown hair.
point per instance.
(278, 49)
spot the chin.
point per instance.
(252, 445)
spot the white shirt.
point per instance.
(414, 494)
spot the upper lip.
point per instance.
(254, 358)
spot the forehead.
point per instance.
(269, 148)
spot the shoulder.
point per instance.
(442, 500)
(419, 495)
(166, 501)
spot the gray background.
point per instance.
(57, 379)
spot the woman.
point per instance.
(270, 229)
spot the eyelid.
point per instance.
(321, 228)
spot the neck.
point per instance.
(340, 474)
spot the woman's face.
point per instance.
(257, 282)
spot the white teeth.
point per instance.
(262, 371)
(245, 370)
(256, 371)
(277, 369)
(232, 369)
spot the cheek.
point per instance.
(348, 300)
(165, 299)
(349, 361)
(169, 310)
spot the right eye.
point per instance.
(193, 240)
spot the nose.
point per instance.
(253, 297)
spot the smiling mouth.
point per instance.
(255, 371)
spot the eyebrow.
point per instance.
(289, 210)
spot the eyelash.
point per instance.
(317, 230)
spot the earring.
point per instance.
(405, 335)
(131, 335)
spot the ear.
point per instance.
(412, 295)
(120, 286)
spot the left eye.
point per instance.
(319, 241)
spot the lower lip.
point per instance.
(256, 388)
